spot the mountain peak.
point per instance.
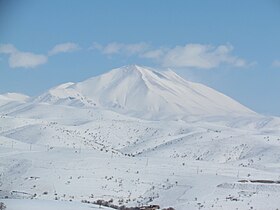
(146, 93)
(144, 71)
(134, 68)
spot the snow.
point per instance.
(13, 98)
(146, 93)
(17, 204)
(16, 96)
(135, 148)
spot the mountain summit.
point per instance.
(146, 93)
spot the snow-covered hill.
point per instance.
(136, 136)
(13, 97)
(146, 93)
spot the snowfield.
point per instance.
(20, 204)
(134, 137)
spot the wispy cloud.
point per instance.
(276, 63)
(154, 53)
(201, 56)
(189, 55)
(26, 60)
(21, 59)
(121, 48)
(7, 48)
(64, 48)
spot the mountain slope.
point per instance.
(64, 95)
(146, 93)
(12, 99)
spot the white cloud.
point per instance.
(112, 48)
(136, 48)
(189, 55)
(22, 59)
(64, 47)
(26, 60)
(154, 54)
(201, 56)
(7, 48)
(121, 48)
(276, 63)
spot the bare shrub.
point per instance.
(2, 206)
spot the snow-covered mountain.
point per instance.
(88, 141)
(146, 93)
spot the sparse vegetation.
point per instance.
(2, 206)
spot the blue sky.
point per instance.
(232, 46)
